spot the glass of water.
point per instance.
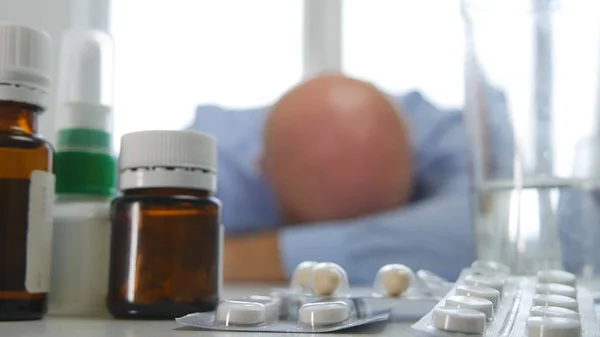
(533, 118)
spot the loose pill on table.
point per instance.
(555, 301)
(488, 293)
(324, 313)
(485, 281)
(459, 320)
(240, 313)
(301, 275)
(556, 289)
(556, 276)
(553, 327)
(474, 303)
(542, 311)
(394, 279)
(326, 278)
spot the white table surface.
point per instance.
(81, 327)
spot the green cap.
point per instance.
(83, 163)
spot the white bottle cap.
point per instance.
(486, 281)
(556, 289)
(556, 276)
(240, 313)
(180, 159)
(324, 313)
(553, 327)
(555, 301)
(541, 311)
(474, 303)
(459, 320)
(488, 293)
(86, 80)
(25, 64)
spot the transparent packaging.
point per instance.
(265, 314)
(531, 112)
(329, 279)
(299, 282)
(393, 280)
(396, 289)
(521, 311)
(245, 313)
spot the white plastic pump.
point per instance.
(85, 96)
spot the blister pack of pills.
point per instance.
(397, 289)
(266, 314)
(488, 301)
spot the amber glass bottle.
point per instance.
(26, 179)
(166, 228)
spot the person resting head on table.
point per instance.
(336, 148)
(337, 171)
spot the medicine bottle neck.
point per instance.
(19, 118)
(167, 192)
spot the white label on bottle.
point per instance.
(39, 232)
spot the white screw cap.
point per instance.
(25, 64)
(183, 159)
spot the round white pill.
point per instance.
(474, 303)
(326, 278)
(324, 313)
(459, 320)
(556, 289)
(301, 275)
(549, 300)
(556, 276)
(261, 299)
(394, 279)
(541, 311)
(488, 293)
(553, 327)
(240, 313)
(489, 267)
(485, 281)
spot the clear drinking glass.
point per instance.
(532, 114)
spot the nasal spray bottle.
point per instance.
(85, 176)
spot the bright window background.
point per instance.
(174, 55)
(406, 44)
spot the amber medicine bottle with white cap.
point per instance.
(26, 179)
(166, 229)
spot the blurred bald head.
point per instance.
(336, 148)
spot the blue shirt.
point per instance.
(433, 232)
